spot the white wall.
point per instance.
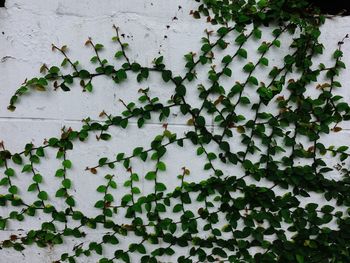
(27, 29)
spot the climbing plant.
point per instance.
(265, 167)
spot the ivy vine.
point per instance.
(259, 212)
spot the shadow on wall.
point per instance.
(333, 7)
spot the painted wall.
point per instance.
(151, 27)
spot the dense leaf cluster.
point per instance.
(262, 212)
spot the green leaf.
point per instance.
(98, 47)
(242, 53)
(27, 168)
(84, 74)
(245, 100)
(177, 208)
(338, 54)
(150, 176)
(220, 252)
(60, 192)
(10, 172)
(32, 187)
(37, 178)
(43, 195)
(140, 122)
(120, 156)
(227, 59)
(54, 70)
(227, 72)
(102, 161)
(327, 209)
(160, 187)
(100, 204)
(241, 39)
(342, 148)
(137, 151)
(2, 224)
(67, 164)
(249, 67)
(166, 75)
(206, 48)
(105, 136)
(127, 198)
(161, 166)
(40, 152)
(276, 43)
(222, 31)
(257, 33)
(118, 54)
(135, 190)
(253, 80)
(67, 183)
(200, 151)
(141, 249)
(89, 87)
(264, 61)
(200, 120)
(300, 258)
(60, 173)
(180, 90)
(124, 123)
(225, 146)
(101, 189)
(17, 159)
(13, 189)
(263, 48)
(158, 60)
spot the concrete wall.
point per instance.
(151, 27)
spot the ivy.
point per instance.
(265, 166)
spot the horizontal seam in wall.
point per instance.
(62, 121)
(14, 119)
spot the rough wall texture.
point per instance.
(152, 27)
